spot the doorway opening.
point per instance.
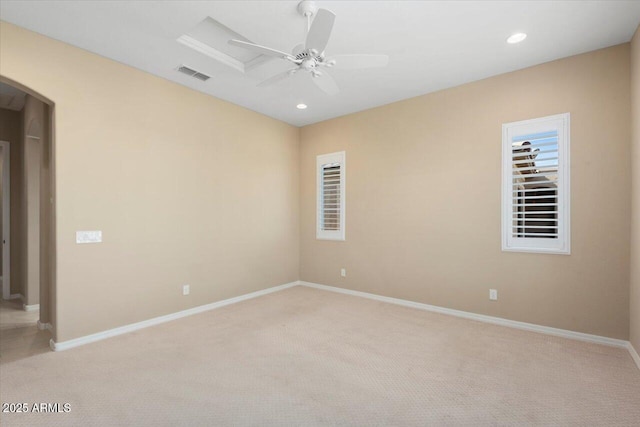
(27, 221)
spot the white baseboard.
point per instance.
(43, 326)
(65, 345)
(634, 355)
(33, 307)
(479, 317)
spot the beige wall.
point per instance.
(187, 189)
(33, 122)
(635, 196)
(27, 132)
(1, 207)
(10, 125)
(46, 250)
(11, 130)
(423, 198)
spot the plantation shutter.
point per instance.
(534, 171)
(536, 185)
(331, 196)
(330, 212)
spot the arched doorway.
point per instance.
(31, 243)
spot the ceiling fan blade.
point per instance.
(353, 62)
(320, 30)
(260, 49)
(277, 78)
(326, 83)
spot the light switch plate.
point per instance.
(89, 236)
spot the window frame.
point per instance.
(561, 245)
(322, 161)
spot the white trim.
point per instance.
(634, 355)
(65, 345)
(16, 296)
(479, 317)
(33, 307)
(5, 233)
(43, 326)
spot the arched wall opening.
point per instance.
(33, 242)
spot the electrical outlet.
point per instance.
(343, 272)
(493, 294)
(186, 289)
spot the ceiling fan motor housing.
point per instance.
(307, 8)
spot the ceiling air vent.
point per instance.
(193, 73)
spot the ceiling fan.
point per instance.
(310, 56)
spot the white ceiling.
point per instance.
(431, 45)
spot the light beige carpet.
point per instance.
(19, 335)
(309, 357)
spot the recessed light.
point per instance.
(301, 106)
(516, 38)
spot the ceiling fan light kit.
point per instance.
(310, 56)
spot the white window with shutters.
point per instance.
(331, 196)
(535, 185)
